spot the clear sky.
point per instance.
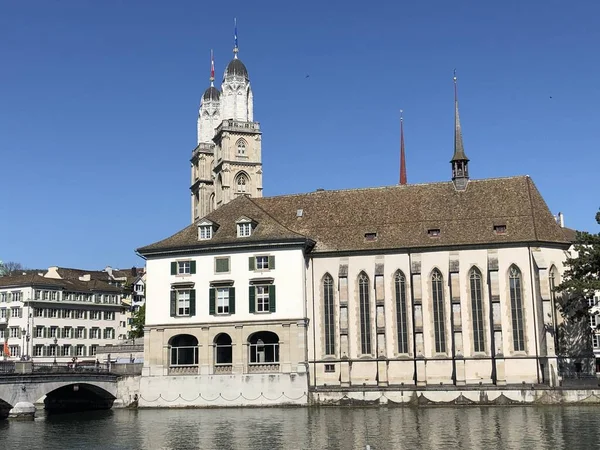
(99, 100)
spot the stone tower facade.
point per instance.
(227, 161)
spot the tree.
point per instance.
(138, 320)
(10, 267)
(582, 276)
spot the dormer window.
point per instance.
(500, 229)
(245, 226)
(244, 229)
(370, 237)
(205, 230)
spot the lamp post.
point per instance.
(55, 348)
(23, 351)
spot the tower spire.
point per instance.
(402, 157)
(459, 161)
(212, 68)
(235, 39)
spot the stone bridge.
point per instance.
(61, 391)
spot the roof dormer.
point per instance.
(245, 226)
(206, 230)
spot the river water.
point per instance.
(485, 428)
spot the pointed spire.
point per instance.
(402, 157)
(459, 151)
(459, 161)
(235, 39)
(212, 68)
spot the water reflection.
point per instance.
(315, 428)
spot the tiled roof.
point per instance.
(68, 273)
(401, 217)
(65, 284)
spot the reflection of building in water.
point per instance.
(427, 284)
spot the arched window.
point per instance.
(263, 347)
(328, 315)
(365, 313)
(184, 350)
(516, 308)
(242, 183)
(477, 309)
(223, 353)
(439, 326)
(554, 279)
(211, 203)
(401, 322)
(241, 147)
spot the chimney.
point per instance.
(134, 272)
(561, 220)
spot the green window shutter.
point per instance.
(271, 262)
(192, 302)
(252, 301)
(272, 298)
(211, 301)
(251, 263)
(192, 267)
(45, 332)
(173, 303)
(173, 268)
(231, 300)
(85, 333)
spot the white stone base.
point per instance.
(223, 390)
(22, 411)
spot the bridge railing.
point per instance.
(7, 367)
(68, 368)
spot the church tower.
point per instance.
(238, 163)
(226, 162)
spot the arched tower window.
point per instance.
(241, 147)
(401, 322)
(516, 308)
(211, 203)
(241, 183)
(477, 309)
(365, 314)
(328, 315)
(439, 326)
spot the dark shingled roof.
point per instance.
(212, 93)
(66, 284)
(399, 215)
(570, 234)
(237, 68)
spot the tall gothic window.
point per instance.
(401, 322)
(477, 310)
(365, 315)
(516, 308)
(241, 148)
(328, 315)
(242, 183)
(437, 293)
(553, 278)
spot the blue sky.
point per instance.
(98, 107)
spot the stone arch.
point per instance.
(74, 397)
(223, 349)
(263, 347)
(242, 183)
(183, 350)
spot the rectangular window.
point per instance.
(16, 312)
(80, 350)
(3, 297)
(38, 350)
(93, 350)
(244, 229)
(15, 350)
(205, 232)
(66, 350)
(46, 295)
(329, 368)
(37, 294)
(17, 296)
(262, 298)
(262, 263)
(594, 320)
(433, 232)
(54, 313)
(500, 229)
(94, 315)
(183, 303)
(67, 313)
(183, 267)
(223, 300)
(79, 333)
(3, 313)
(38, 312)
(109, 315)
(39, 332)
(53, 295)
(53, 332)
(14, 332)
(222, 265)
(94, 333)
(67, 332)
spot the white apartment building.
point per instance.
(48, 317)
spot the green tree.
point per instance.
(582, 276)
(138, 320)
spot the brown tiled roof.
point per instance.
(32, 279)
(68, 273)
(400, 215)
(570, 234)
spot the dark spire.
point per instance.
(402, 157)
(459, 161)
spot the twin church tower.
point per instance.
(226, 163)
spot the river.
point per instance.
(528, 427)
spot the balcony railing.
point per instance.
(222, 368)
(263, 368)
(238, 126)
(183, 370)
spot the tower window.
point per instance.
(242, 184)
(433, 232)
(241, 148)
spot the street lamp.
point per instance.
(55, 348)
